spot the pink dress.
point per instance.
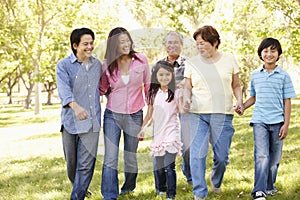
(166, 137)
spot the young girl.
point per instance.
(163, 107)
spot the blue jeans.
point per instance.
(80, 151)
(218, 130)
(185, 139)
(267, 155)
(114, 123)
(166, 174)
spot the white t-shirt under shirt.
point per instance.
(211, 84)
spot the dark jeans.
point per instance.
(166, 174)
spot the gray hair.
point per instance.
(175, 34)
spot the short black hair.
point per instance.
(76, 36)
(267, 42)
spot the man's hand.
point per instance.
(80, 112)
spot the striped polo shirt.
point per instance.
(270, 90)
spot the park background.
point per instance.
(35, 36)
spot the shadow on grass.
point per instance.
(8, 121)
(35, 178)
(43, 136)
(16, 115)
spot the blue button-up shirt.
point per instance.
(76, 82)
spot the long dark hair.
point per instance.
(111, 53)
(155, 85)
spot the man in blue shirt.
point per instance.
(271, 90)
(78, 78)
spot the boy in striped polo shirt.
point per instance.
(271, 90)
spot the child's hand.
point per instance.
(141, 135)
(239, 109)
(283, 132)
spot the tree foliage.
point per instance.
(289, 12)
(241, 24)
(35, 33)
(35, 40)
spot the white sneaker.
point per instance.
(213, 188)
(271, 192)
(161, 194)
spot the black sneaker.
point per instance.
(259, 195)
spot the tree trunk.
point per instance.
(49, 97)
(37, 104)
(9, 96)
(9, 91)
(28, 99)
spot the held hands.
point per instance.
(239, 108)
(186, 105)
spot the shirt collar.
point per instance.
(74, 58)
(276, 70)
(179, 60)
(162, 91)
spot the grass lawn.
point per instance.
(35, 168)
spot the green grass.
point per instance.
(44, 176)
(14, 115)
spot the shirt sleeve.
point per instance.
(236, 68)
(147, 79)
(104, 80)
(288, 88)
(251, 87)
(188, 70)
(63, 84)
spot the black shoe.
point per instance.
(259, 195)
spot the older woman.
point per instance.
(127, 74)
(211, 79)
